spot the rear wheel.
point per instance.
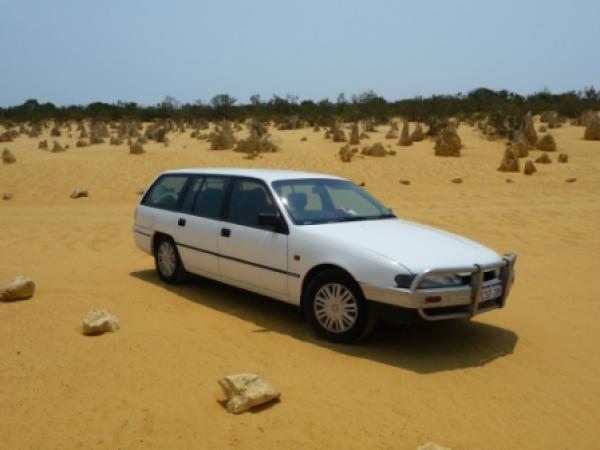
(336, 308)
(167, 261)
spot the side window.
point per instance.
(209, 199)
(190, 196)
(166, 191)
(248, 199)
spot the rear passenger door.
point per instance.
(251, 254)
(199, 223)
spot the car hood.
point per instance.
(415, 246)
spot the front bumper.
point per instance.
(452, 302)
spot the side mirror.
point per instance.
(271, 220)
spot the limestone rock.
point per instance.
(246, 390)
(546, 143)
(529, 168)
(528, 129)
(98, 321)
(57, 148)
(222, 138)
(346, 153)
(448, 142)
(377, 149)
(337, 133)
(543, 159)
(510, 163)
(520, 145)
(354, 135)
(432, 446)
(418, 134)
(135, 148)
(19, 288)
(8, 157)
(391, 134)
(563, 158)
(78, 193)
(592, 130)
(405, 139)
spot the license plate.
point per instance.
(491, 292)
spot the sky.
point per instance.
(81, 51)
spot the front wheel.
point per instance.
(167, 261)
(336, 307)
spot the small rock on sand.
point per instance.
(457, 180)
(7, 196)
(529, 168)
(509, 180)
(432, 446)
(362, 183)
(78, 193)
(543, 159)
(140, 191)
(19, 288)
(98, 321)
(563, 158)
(8, 157)
(246, 390)
(570, 180)
(405, 182)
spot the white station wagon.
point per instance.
(317, 241)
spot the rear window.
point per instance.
(166, 192)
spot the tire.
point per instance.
(167, 261)
(336, 308)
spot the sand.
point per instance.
(523, 377)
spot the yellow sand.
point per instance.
(523, 377)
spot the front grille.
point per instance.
(488, 275)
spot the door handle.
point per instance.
(181, 222)
(225, 232)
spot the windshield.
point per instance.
(321, 200)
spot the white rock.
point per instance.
(432, 446)
(98, 321)
(245, 390)
(18, 288)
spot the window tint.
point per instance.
(248, 199)
(209, 198)
(166, 191)
(190, 195)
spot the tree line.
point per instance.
(368, 105)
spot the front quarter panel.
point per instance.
(308, 249)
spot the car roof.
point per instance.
(267, 175)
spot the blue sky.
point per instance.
(76, 52)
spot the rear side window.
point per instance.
(166, 192)
(209, 200)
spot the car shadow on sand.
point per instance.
(423, 348)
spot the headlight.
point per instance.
(441, 281)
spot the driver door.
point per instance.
(251, 254)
